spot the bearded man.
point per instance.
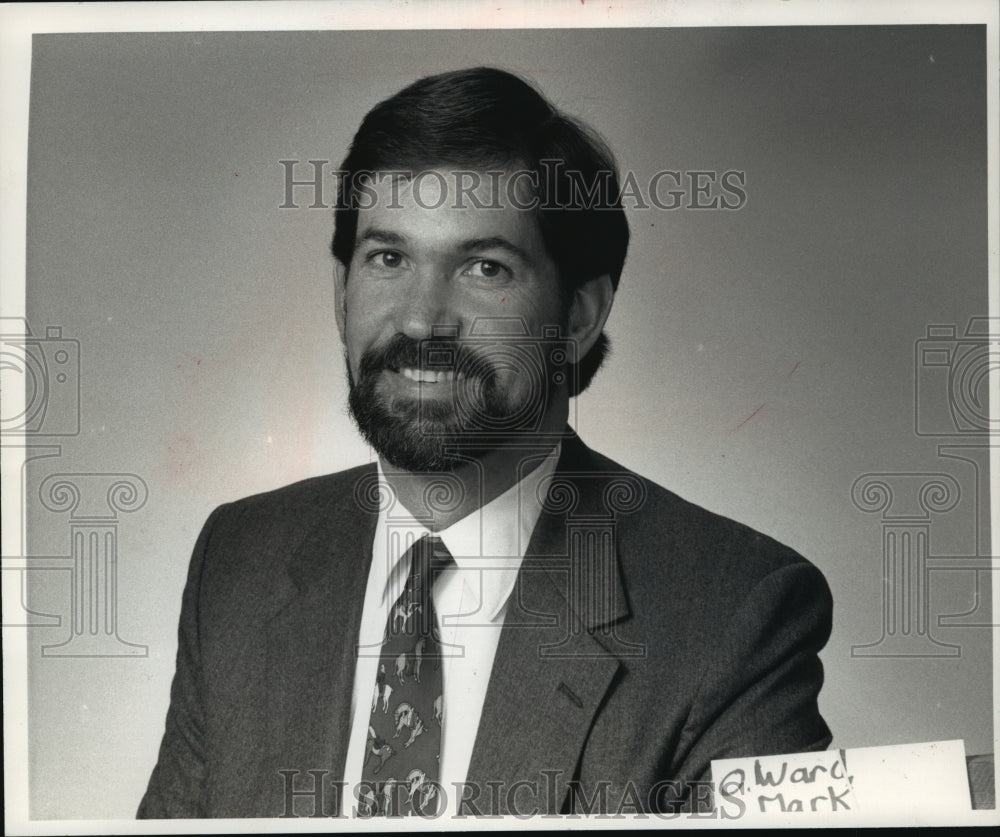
(526, 626)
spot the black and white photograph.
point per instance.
(466, 416)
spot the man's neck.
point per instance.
(472, 484)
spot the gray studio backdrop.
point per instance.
(772, 362)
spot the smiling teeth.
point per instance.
(428, 376)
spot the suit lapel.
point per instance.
(556, 660)
(311, 643)
(557, 657)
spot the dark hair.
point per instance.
(484, 117)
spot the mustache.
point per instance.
(433, 354)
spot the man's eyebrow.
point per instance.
(494, 243)
(382, 236)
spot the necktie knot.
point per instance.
(429, 557)
(438, 556)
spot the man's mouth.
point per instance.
(429, 376)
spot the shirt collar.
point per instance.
(492, 539)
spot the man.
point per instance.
(494, 619)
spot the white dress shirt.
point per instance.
(470, 599)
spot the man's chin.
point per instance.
(431, 435)
(430, 446)
(416, 452)
(411, 438)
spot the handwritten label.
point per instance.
(901, 781)
(792, 784)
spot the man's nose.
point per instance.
(426, 307)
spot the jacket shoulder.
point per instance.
(249, 537)
(661, 534)
(314, 495)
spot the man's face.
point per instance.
(442, 313)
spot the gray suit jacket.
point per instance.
(645, 637)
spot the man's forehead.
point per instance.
(439, 202)
(455, 187)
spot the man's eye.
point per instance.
(387, 258)
(488, 269)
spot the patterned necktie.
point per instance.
(403, 751)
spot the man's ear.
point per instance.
(340, 296)
(589, 311)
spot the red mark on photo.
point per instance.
(738, 426)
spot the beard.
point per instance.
(478, 414)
